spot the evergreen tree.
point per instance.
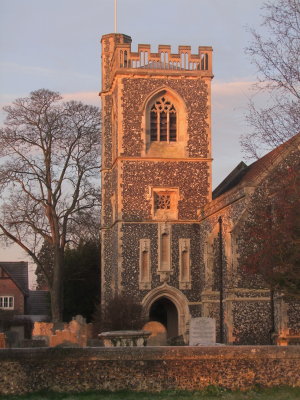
(81, 280)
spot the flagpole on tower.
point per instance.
(115, 16)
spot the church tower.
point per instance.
(156, 175)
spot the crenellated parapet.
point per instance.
(117, 55)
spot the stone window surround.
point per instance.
(166, 213)
(160, 149)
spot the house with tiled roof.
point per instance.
(14, 286)
(15, 294)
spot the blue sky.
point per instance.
(56, 45)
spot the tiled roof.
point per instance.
(245, 175)
(38, 302)
(18, 271)
(231, 180)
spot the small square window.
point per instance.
(162, 201)
(165, 203)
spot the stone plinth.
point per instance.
(124, 338)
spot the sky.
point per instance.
(56, 45)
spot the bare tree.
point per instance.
(276, 55)
(49, 170)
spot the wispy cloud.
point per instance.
(86, 97)
(33, 69)
(237, 95)
(231, 88)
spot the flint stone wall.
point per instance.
(134, 94)
(147, 369)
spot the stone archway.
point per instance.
(174, 309)
(164, 311)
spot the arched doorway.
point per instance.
(176, 302)
(164, 311)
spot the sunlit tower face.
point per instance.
(156, 171)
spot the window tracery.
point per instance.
(163, 121)
(162, 201)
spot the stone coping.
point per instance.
(153, 353)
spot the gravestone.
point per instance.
(202, 332)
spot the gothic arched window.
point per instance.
(163, 122)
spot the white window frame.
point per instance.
(9, 300)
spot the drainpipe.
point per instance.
(221, 280)
(272, 305)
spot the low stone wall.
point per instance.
(147, 368)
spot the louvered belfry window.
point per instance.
(163, 123)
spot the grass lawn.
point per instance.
(211, 393)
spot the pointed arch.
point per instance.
(160, 91)
(164, 123)
(177, 298)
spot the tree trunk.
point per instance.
(56, 291)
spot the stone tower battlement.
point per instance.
(156, 174)
(117, 54)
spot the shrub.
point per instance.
(120, 313)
